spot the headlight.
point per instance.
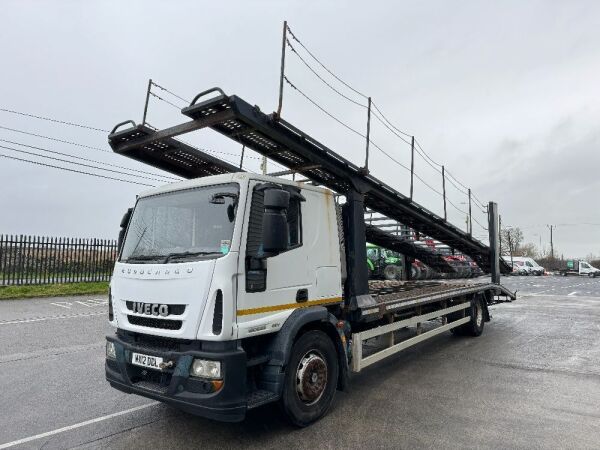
(111, 352)
(206, 369)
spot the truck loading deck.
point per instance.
(233, 290)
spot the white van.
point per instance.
(527, 266)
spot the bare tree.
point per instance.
(529, 250)
(511, 238)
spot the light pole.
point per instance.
(551, 242)
(510, 243)
(468, 222)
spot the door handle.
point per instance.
(302, 295)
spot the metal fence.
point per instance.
(45, 260)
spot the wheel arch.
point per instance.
(299, 322)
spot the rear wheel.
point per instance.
(477, 314)
(310, 379)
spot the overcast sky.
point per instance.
(506, 96)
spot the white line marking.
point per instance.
(572, 293)
(62, 304)
(42, 319)
(77, 425)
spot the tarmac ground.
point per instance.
(532, 380)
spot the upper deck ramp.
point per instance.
(285, 144)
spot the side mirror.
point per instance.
(275, 237)
(124, 223)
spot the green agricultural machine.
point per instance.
(384, 264)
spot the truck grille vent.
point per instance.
(155, 323)
(159, 342)
(217, 324)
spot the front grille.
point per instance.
(175, 310)
(158, 342)
(151, 322)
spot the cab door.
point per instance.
(271, 286)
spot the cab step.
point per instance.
(260, 397)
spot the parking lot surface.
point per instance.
(532, 380)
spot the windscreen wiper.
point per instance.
(184, 254)
(143, 258)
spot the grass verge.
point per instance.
(53, 290)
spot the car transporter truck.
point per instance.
(233, 290)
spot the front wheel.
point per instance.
(310, 379)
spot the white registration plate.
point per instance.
(152, 362)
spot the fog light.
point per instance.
(206, 369)
(111, 352)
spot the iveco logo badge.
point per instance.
(151, 309)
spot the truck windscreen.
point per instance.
(190, 224)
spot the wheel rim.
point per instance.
(478, 314)
(311, 377)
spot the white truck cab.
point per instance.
(195, 267)
(194, 247)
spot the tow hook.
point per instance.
(166, 365)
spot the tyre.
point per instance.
(392, 272)
(310, 379)
(477, 314)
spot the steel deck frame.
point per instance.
(359, 361)
(423, 294)
(407, 247)
(285, 144)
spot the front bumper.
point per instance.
(174, 386)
